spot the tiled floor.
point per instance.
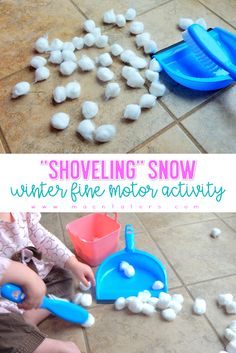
(196, 264)
(183, 121)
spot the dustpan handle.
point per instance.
(129, 238)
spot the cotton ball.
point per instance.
(201, 22)
(68, 46)
(150, 47)
(224, 299)
(178, 297)
(38, 61)
(135, 81)
(77, 298)
(55, 57)
(168, 314)
(89, 25)
(223, 352)
(104, 74)
(176, 306)
(86, 129)
(128, 71)
(96, 32)
(130, 299)
(138, 63)
(101, 41)
(231, 347)
(86, 63)
(89, 40)
(123, 265)
(142, 38)
(116, 49)
(109, 17)
(120, 20)
(215, 232)
(41, 45)
(230, 334)
(199, 306)
(68, 55)
(105, 59)
(164, 301)
(135, 306)
(136, 27)
(85, 288)
(232, 326)
(129, 271)
(132, 112)
(59, 94)
(112, 90)
(184, 23)
(56, 44)
(105, 133)
(78, 42)
(148, 309)
(231, 308)
(153, 301)
(41, 73)
(60, 121)
(130, 14)
(120, 303)
(73, 90)
(89, 322)
(154, 65)
(89, 109)
(147, 101)
(157, 89)
(158, 285)
(144, 296)
(86, 299)
(127, 55)
(67, 68)
(20, 89)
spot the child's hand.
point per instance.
(82, 271)
(35, 290)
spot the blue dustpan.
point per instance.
(181, 64)
(111, 283)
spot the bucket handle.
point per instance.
(129, 237)
(115, 216)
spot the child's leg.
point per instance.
(55, 346)
(60, 283)
(34, 317)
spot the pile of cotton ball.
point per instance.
(184, 23)
(127, 269)
(230, 335)
(110, 17)
(227, 301)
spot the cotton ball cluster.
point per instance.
(144, 296)
(68, 55)
(41, 73)
(231, 308)
(20, 89)
(59, 94)
(112, 90)
(157, 285)
(68, 46)
(84, 299)
(168, 314)
(60, 121)
(136, 27)
(135, 306)
(120, 20)
(77, 298)
(151, 75)
(84, 287)
(127, 55)
(86, 63)
(78, 42)
(127, 71)
(67, 67)
(86, 129)
(132, 112)
(154, 65)
(137, 62)
(199, 306)
(142, 38)
(130, 14)
(73, 90)
(184, 23)
(55, 57)
(164, 301)
(41, 45)
(175, 305)
(89, 322)
(109, 17)
(89, 109)
(101, 41)
(97, 32)
(153, 301)
(105, 59)
(230, 334)
(178, 297)
(120, 303)
(150, 47)
(215, 233)
(116, 49)
(89, 26)
(157, 89)
(89, 39)
(105, 133)
(148, 309)
(104, 74)
(226, 301)
(147, 101)
(128, 269)
(231, 347)
(135, 80)
(38, 61)
(56, 44)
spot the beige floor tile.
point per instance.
(61, 330)
(225, 215)
(231, 222)
(194, 254)
(22, 23)
(116, 332)
(226, 9)
(2, 150)
(214, 125)
(51, 222)
(173, 140)
(209, 291)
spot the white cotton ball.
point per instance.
(223, 352)
(77, 298)
(85, 288)
(38, 61)
(136, 27)
(69, 55)
(120, 303)
(148, 309)
(153, 301)
(132, 112)
(59, 94)
(120, 21)
(230, 334)
(168, 314)
(86, 129)
(201, 22)
(135, 81)
(144, 296)
(68, 46)
(176, 306)
(151, 75)
(42, 45)
(96, 32)
(86, 299)
(60, 121)
(89, 40)
(41, 73)
(164, 301)
(129, 271)
(142, 38)
(130, 299)
(105, 133)
(78, 42)
(109, 17)
(178, 297)
(55, 57)
(150, 47)
(130, 14)
(157, 89)
(231, 347)
(127, 55)
(199, 306)
(123, 265)
(224, 299)
(116, 49)
(231, 308)
(86, 63)
(135, 306)
(20, 89)
(154, 65)
(56, 44)
(89, 25)
(73, 90)
(89, 109)
(232, 325)
(104, 74)
(67, 68)
(215, 232)
(101, 41)
(138, 63)
(158, 285)
(89, 322)
(147, 101)
(112, 90)
(128, 71)
(184, 23)
(105, 59)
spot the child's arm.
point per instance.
(81, 271)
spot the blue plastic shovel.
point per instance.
(111, 282)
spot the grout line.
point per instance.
(211, 279)
(86, 341)
(192, 138)
(155, 7)
(79, 9)
(227, 224)
(4, 142)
